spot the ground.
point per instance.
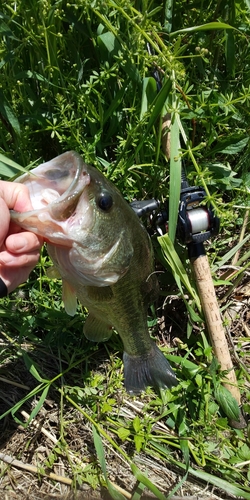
(32, 463)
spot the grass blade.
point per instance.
(228, 256)
(230, 53)
(31, 367)
(8, 167)
(39, 405)
(101, 457)
(149, 91)
(175, 179)
(138, 491)
(177, 267)
(144, 480)
(229, 488)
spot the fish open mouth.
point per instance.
(55, 188)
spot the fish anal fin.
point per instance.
(149, 369)
(69, 298)
(96, 330)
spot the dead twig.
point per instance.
(12, 382)
(32, 468)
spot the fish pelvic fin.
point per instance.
(69, 298)
(150, 369)
(53, 273)
(96, 330)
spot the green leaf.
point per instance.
(114, 104)
(139, 440)
(227, 402)
(185, 451)
(247, 3)
(110, 43)
(168, 15)
(219, 170)
(230, 145)
(123, 433)
(8, 114)
(137, 424)
(159, 103)
(29, 363)
(199, 380)
(179, 360)
(6, 31)
(33, 75)
(204, 27)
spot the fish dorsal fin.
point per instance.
(96, 330)
(69, 298)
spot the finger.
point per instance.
(5, 220)
(23, 242)
(8, 260)
(16, 196)
(13, 276)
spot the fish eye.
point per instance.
(105, 201)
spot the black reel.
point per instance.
(196, 221)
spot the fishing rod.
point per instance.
(196, 224)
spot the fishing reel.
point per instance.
(196, 223)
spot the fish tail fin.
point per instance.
(150, 369)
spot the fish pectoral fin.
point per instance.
(69, 298)
(99, 294)
(96, 330)
(149, 369)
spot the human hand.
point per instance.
(19, 250)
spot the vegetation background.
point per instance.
(97, 77)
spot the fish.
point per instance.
(104, 256)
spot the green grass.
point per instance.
(79, 75)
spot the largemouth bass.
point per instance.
(105, 259)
